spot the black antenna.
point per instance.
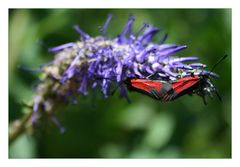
(219, 61)
(219, 97)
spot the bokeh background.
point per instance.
(113, 128)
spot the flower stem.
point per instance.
(19, 127)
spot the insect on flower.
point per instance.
(197, 83)
(130, 58)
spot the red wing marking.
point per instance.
(184, 83)
(146, 85)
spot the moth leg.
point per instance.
(204, 99)
(210, 94)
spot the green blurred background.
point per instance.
(112, 128)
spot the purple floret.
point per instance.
(107, 63)
(101, 61)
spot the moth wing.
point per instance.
(181, 87)
(184, 83)
(152, 88)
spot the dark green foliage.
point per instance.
(113, 128)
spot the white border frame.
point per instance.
(5, 5)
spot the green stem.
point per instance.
(20, 128)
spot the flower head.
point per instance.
(102, 62)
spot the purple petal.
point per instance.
(119, 71)
(83, 87)
(173, 50)
(61, 47)
(105, 85)
(183, 66)
(127, 29)
(71, 69)
(149, 33)
(94, 85)
(183, 59)
(162, 75)
(142, 56)
(148, 69)
(169, 72)
(198, 65)
(35, 110)
(105, 25)
(145, 25)
(136, 70)
(156, 67)
(123, 92)
(166, 46)
(82, 33)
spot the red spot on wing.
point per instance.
(185, 83)
(146, 85)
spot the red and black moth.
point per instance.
(199, 84)
(168, 91)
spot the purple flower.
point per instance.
(102, 62)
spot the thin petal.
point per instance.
(61, 47)
(82, 33)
